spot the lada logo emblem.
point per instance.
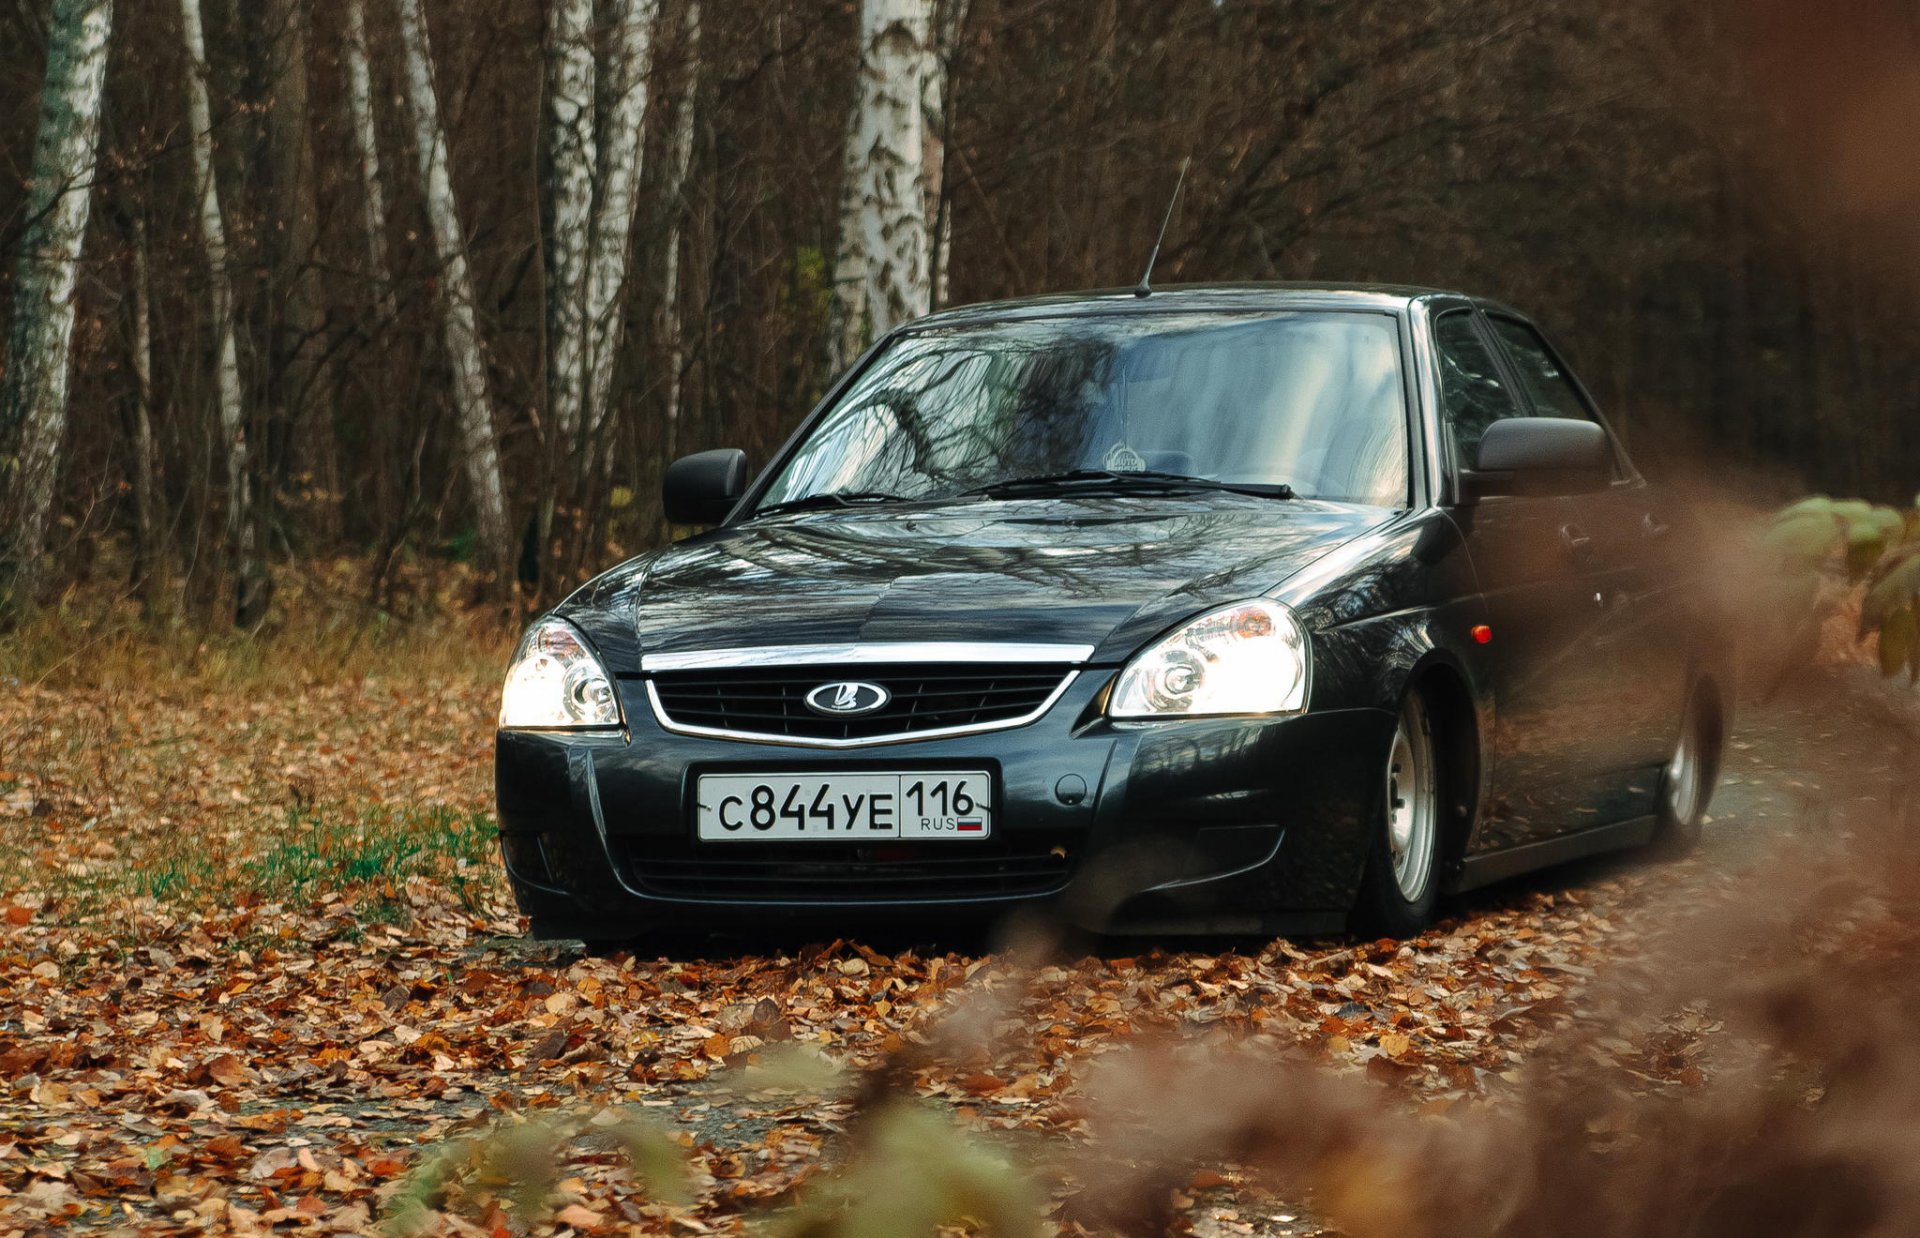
(842, 700)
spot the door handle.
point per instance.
(1654, 528)
(1579, 545)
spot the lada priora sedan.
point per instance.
(1227, 609)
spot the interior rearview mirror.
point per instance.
(702, 488)
(1540, 456)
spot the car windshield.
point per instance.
(1311, 401)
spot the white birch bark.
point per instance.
(681, 154)
(213, 241)
(881, 272)
(460, 329)
(936, 103)
(571, 82)
(617, 197)
(33, 394)
(366, 143)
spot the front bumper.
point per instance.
(1218, 825)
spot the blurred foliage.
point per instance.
(916, 1172)
(912, 1171)
(517, 1163)
(1871, 551)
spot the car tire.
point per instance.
(1687, 780)
(1401, 883)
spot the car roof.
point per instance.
(1223, 296)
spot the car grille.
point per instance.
(866, 874)
(771, 701)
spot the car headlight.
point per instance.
(556, 681)
(1248, 658)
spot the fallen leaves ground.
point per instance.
(257, 966)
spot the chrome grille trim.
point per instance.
(865, 741)
(854, 655)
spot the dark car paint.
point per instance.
(1107, 572)
(1222, 823)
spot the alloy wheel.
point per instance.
(1412, 803)
(1686, 772)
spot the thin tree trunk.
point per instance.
(937, 102)
(700, 251)
(681, 154)
(881, 272)
(570, 155)
(249, 580)
(149, 556)
(33, 391)
(292, 317)
(459, 324)
(366, 141)
(621, 138)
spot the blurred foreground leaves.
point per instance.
(1823, 554)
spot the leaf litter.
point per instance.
(258, 971)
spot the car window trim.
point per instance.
(1421, 486)
(1522, 406)
(1624, 471)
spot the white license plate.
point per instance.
(843, 807)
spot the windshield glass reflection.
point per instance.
(1314, 401)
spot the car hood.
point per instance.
(1107, 572)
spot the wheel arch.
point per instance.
(1458, 731)
(1705, 682)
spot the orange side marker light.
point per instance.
(1482, 634)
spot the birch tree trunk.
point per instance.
(937, 104)
(366, 144)
(460, 329)
(617, 196)
(249, 580)
(33, 393)
(882, 275)
(569, 216)
(681, 154)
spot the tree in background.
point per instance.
(596, 116)
(616, 199)
(1616, 169)
(33, 393)
(680, 157)
(366, 145)
(571, 154)
(251, 589)
(883, 267)
(459, 321)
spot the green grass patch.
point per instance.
(368, 856)
(320, 852)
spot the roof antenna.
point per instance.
(1145, 286)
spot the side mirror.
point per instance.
(702, 488)
(1540, 456)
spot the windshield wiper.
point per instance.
(1140, 479)
(829, 498)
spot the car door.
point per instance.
(1538, 605)
(1632, 567)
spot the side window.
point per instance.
(1473, 394)
(1547, 385)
